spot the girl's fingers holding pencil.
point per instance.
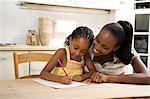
(87, 81)
(77, 78)
(66, 80)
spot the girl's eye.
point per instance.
(84, 52)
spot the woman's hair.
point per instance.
(81, 31)
(123, 31)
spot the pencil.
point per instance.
(62, 67)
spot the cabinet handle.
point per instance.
(2, 59)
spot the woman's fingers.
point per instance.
(97, 77)
(93, 76)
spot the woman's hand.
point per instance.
(65, 80)
(98, 77)
(77, 78)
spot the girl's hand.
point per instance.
(65, 80)
(87, 81)
(98, 77)
(77, 78)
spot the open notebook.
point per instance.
(58, 85)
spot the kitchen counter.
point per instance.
(26, 48)
(7, 59)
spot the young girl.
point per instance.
(73, 58)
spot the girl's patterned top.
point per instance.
(72, 67)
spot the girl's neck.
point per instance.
(71, 58)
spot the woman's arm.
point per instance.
(141, 75)
(139, 66)
(137, 78)
(46, 72)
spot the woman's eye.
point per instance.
(106, 48)
(97, 40)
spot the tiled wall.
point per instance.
(15, 22)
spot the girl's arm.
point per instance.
(90, 66)
(45, 74)
(91, 69)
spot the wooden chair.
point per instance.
(28, 57)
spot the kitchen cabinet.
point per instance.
(142, 30)
(6, 65)
(85, 6)
(7, 62)
(100, 4)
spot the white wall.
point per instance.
(15, 22)
(126, 11)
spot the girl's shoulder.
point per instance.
(61, 52)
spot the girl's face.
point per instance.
(104, 43)
(78, 47)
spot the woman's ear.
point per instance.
(116, 48)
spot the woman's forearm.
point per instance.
(136, 78)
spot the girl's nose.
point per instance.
(77, 53)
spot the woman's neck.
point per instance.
(104, 58)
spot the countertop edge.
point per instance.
(26, 48)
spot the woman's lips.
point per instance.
(96, 51)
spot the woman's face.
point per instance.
(104, 43)
(78, 47)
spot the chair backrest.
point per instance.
(29, 57)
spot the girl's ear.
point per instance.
(116, 48)
(70, 40)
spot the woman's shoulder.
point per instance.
(134, 53)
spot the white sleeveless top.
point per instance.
(113, 68)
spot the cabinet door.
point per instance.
(101, 4)
(36, 67)
(6, 65)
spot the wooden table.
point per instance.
(28, 89)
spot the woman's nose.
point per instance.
(98, 47)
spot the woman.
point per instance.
(111, 52)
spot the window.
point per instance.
(141, 23)
(141, 43)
